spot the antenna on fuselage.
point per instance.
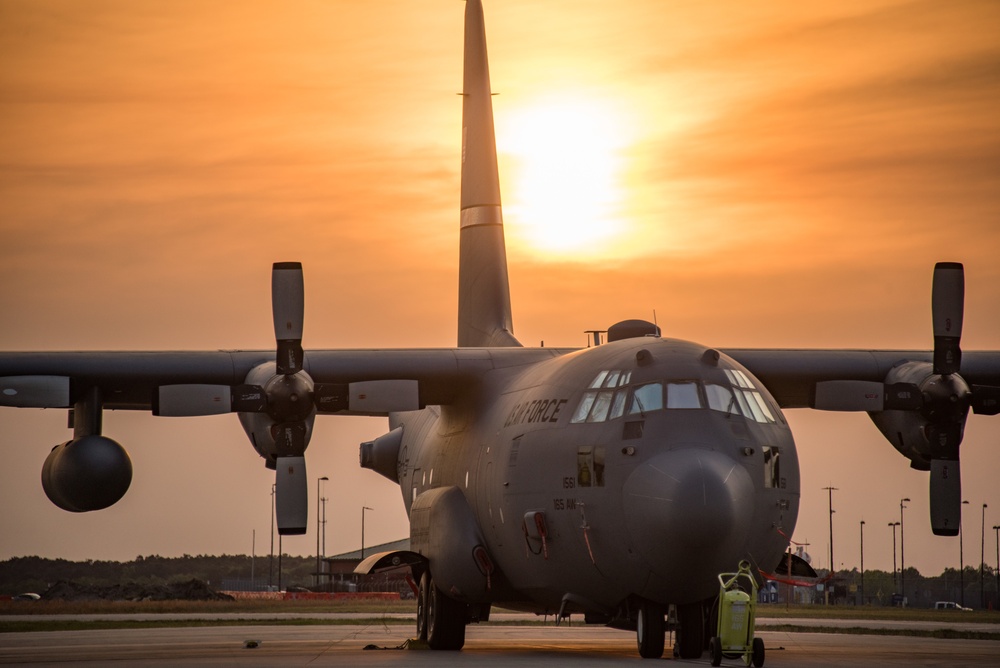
(595, 338)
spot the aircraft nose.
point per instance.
(689, 507)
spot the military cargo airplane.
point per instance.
(613, 481)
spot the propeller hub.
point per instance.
(289, 398)
(946, 398)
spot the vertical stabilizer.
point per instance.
(484, 317)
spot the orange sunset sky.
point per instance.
(761, 174)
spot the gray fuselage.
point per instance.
(654, 464)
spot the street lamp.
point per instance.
(982, 562)
(270, 559)
(323, 551)
(363, 509)
(894, 525)
(833, 569)
(862, 562)
(902, 553)
(961, 558)
(996, 529)
(318, 481)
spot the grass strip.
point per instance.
(28, 626)
(948, 634)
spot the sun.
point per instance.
(564, 158)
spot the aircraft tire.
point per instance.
(445, 619)
(650, 630)
(690, 638)
(422, 607)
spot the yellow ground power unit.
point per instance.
(734, 637)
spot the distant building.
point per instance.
(340, 575)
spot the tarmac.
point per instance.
(378, 644)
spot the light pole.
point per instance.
(862, 562)
(982, 563)
(833, 569)
(996, 529)
(894, 525)
(830, 491)
(323, 551)
(961, 558)
(363, 509)
(902, 554)
(270, 559)
(318, 481)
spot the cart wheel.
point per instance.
(758, 652)
(715, 650)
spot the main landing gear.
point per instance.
(440, 619)
(651, 629)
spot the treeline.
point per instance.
(879, 588)
(36, 574)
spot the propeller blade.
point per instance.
(290, 438)
(947, 309)
(985, 400)
(946, 497)
(291, 495)
(331, 397)
(192, 400)
(199, 399)
(288, 310)
(248, 399)
(861, 395)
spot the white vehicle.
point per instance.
(950, 605)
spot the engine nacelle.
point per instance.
(382, 454)
(261, 428)
(87, 473)
(908, 430)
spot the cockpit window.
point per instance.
(720, 398)
(751, 401)
(599, 379)
(599, 411)
(646, 398)
(618, 405)
(584, 408)
(610, 397)
(683, 395)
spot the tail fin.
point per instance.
(484, 317)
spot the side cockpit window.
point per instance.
(751, 402)
(604, 398)
(772, 468)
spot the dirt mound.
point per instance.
(192, 590)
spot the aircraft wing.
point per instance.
(131, 380)
(791, 375)
(918, 400)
